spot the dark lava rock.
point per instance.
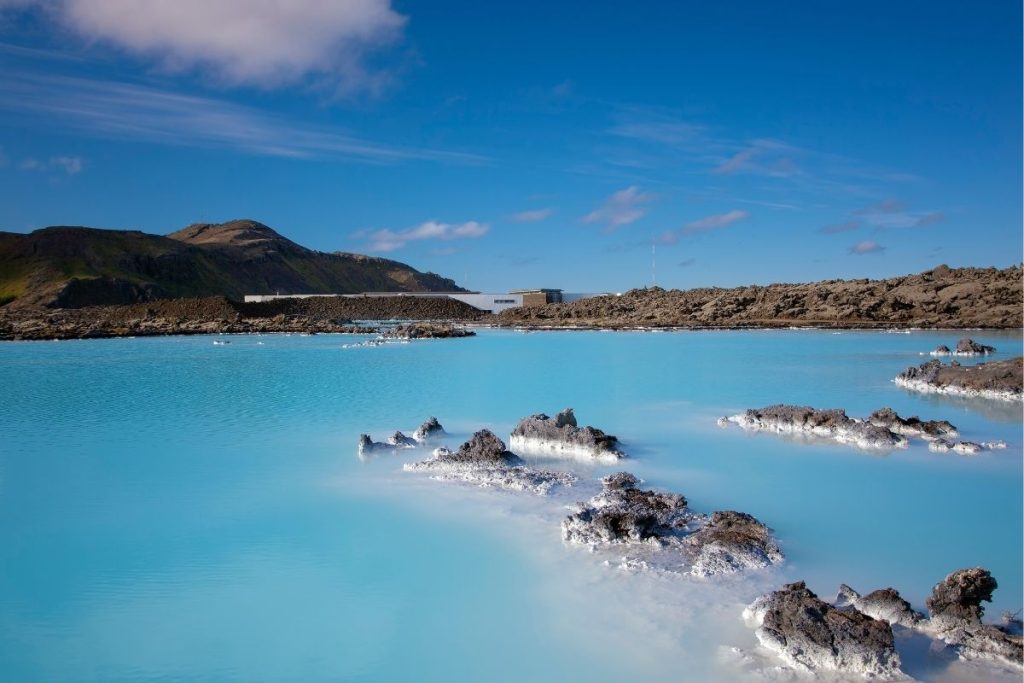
(996, 379)
(421, 330)
(431, 429)
(400, 440)
(562, 436)
(812, 635)
(885, 604)
(732, 541)
(912, 426)
(622, 512)
(482, 447)
(969, 347)
(956, 612)
(832, 424)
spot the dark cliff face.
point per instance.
(74, 267)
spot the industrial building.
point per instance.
(492, 303)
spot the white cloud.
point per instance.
(126, 111)
(69, 165)
(866, 247)
(715, 222)
(265, 43)
(622, 208)
(532, 216)
(390, 240)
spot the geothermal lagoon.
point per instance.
(175, 509)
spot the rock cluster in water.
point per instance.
(424, 330)
(884, 429)
(833, 424)
(1002, 380)
(964, 347)
(809, 634)
(855, 634)
(484, 460)
(429, 430)
(562, 436)
(623, 513)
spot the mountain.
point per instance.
(72, 267)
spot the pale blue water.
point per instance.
(175, 510)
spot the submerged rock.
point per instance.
(831, 424)
(912, 426)
(563, 437)
(429, 430)
(484, 460)
(1001, 380)
(622, 513)
(811, 635)
(969, 347)
(956, 612)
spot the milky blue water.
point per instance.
(175, 510)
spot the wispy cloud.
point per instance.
(866, 247)
(390, 240)
(836, 228)
(662, 132)
(532, 216)
(69, 165)
(893, 214)
(714, 222)
(121, 111)
(622, 208)
(266, 45)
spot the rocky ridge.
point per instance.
(939, 298)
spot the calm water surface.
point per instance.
(175, 510)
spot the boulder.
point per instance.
(811, 635)
(561, 436)
(429, 430)
(969, 347)
(955, 617)
(885, 604)
(400, 440)
(731, 542)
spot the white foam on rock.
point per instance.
(924, 387)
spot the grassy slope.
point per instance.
(107, 265)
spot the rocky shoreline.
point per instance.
(219, 315)
(942, 298)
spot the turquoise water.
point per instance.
(175, 510)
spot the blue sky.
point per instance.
(531, 144)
